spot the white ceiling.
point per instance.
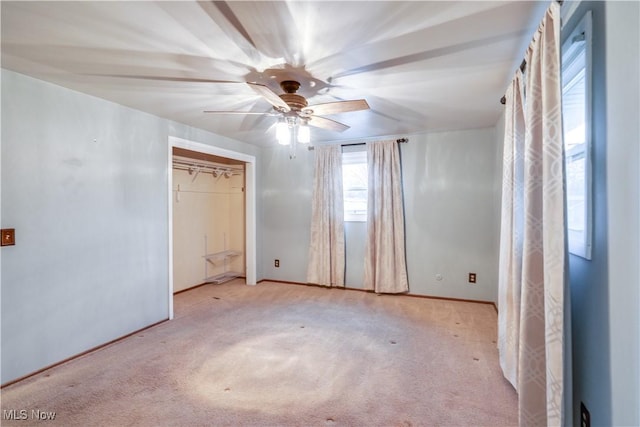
(421, 65)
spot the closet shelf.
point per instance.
(222, 277)
(223, 255)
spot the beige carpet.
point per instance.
(278, 354)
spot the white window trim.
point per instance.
(580, 243)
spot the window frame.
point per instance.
(580, 241)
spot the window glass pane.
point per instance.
(354, 181)
(576, 123)
(575, 194)
(573, 110)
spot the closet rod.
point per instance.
(184, 162)
(523, 64)
(207, 169)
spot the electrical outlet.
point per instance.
(276, 263)
(472, 277)
(585, 417)
(8, 237)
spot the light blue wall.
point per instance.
(589, 279)
(285, 218)
(86, 199)
(622, 22)
(84, 183)
(452, 220)
(605, 291)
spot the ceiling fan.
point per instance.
(294, 109)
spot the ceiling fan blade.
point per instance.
(337, 107)
(246, 113)
(270, 96)
(164, 78)
(324, 123)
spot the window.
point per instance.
(354, 183)
(576, 113)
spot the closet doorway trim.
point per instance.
(250, 203)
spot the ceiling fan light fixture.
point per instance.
(283, 135)
(304, 133)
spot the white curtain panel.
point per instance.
(541, 375)
(511, 231)
(540, 367)
(326, 247)
(385, 269)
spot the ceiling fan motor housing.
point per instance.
(296, 102)
(293, 100)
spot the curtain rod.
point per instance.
(523, 64)
(399, 141)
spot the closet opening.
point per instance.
(211, 216)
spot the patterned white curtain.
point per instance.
(326, 248)
(385, 269)
(540, 342)
(511, 231)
